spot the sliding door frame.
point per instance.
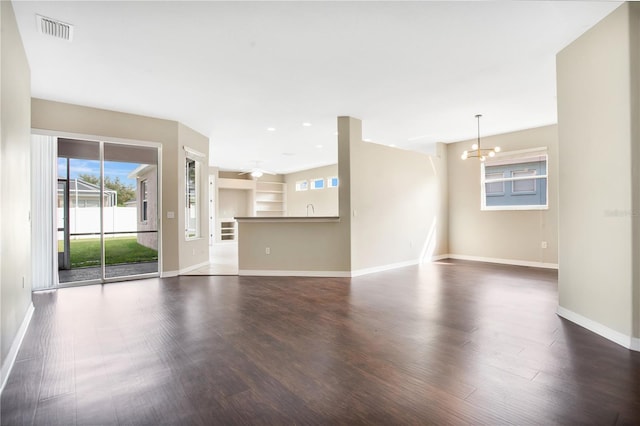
(118, 141)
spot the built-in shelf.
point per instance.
(227, 229)
(248, 197)
(270, 199)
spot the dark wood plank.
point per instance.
(20, 395)
(453, 342)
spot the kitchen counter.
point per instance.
(284, 219)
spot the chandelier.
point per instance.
(477, 152)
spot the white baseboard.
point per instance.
(628, 342)
(275, 273)
(168, 274)
(7, 365)
(338, 274)
(193, 267)
(504, 261)
(439, 257)
(382, 268)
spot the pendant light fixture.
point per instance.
(477, 152)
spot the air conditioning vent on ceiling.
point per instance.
(54, 28)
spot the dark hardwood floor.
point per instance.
(448, 343)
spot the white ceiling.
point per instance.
(415, 72)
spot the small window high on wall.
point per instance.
(317, 183)
(515, 181)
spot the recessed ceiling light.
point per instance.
(306, 124)
(288, 154)
(392, 145)
(367, 140)
(318, 146)
(271, 129)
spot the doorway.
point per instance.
(107, 211)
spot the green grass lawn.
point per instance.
(117, 250)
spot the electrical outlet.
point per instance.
(543, 244)
(267, 250)
(22, 282)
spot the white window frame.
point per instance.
(302, 185)
(313, 184)
(192, 234)
(330, 181)
(144, 201)
(513, 157)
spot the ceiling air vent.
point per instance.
(54, 28)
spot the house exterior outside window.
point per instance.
(147, 193)
(515, 181)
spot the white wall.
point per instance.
(15, 171)
(598, 97)
(513, 236)
(396, 205)
(325, 201)
(234, 202)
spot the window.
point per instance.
(527, 186)
(143, 201)
(317, 183)
(332, 182)
(494, 189)
(192, 202)
(302, 185)
(515, 181)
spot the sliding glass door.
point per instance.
(107, 211)
(131, 231)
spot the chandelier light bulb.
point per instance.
(476, 151)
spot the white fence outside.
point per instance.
(87, 219)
